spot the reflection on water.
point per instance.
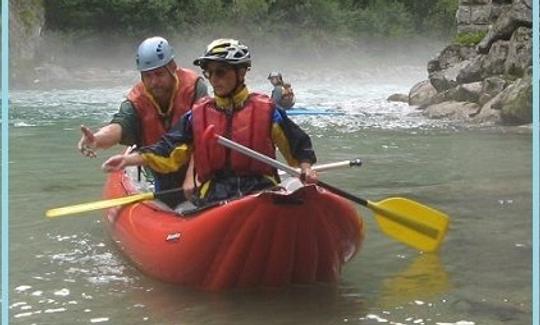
(424, 279)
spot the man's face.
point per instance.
(222, 77)
(274, 81)
(159, 82)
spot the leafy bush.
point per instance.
(469, 38)
(286, 18)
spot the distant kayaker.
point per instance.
(282, 94)
(251, 119)
(164, 94)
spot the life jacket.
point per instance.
(250, 126)
(287, 96)
(152, 122)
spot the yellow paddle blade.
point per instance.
(97, 205)
(410, 222)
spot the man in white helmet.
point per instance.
(166, 92)
(282, 94)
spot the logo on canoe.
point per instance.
(173, 237)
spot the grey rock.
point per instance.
(448, 57)
(493, 63)
(516, 102)
(520, 14)
(498, 9)
(491, 87)
(451, 110)
(471, 72)
(480, 15)
(463, 15)
(487, 113)
(445, 96)
(446, 79)
(398, 98)
(468, 92)
(421, 93)
(519, 52)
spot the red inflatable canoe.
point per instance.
(272, 238)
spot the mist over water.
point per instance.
(68, 271)
(355, 81)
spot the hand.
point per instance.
(87, 143)
(308, 175)
(190, 181)
(189, 189)
(115, 163)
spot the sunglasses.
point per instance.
(218, 73)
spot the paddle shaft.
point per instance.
(330, 166)
(323, 167)
(130, 199)
(290, 170)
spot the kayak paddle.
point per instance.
(130, 199)
(405, 220)
(104, 204)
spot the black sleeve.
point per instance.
(299, 141)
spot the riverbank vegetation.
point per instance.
(318, 20)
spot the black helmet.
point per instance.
(226, 50)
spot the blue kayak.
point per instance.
(306, 111)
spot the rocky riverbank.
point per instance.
(485, 76)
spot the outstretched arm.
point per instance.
(119, 162)
(104, 138)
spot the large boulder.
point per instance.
(519, 52)
(398, 98)
(444, 69)
(450, 56)
(487, 114)
(493, 63)
(451, 110)
(491, 87)
(472, 71)
(484, 66)
(468, 92)
(421, 93)
(448, 78)
(516, 102)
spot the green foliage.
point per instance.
(384, 18)
(285, 18)
(440, 19)
(470, 39)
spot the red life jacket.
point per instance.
(250, 126)
(152, 122)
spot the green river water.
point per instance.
(68, 271)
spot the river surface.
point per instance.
(68, 271)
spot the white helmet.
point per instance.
(154, 52)
(275, 74)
